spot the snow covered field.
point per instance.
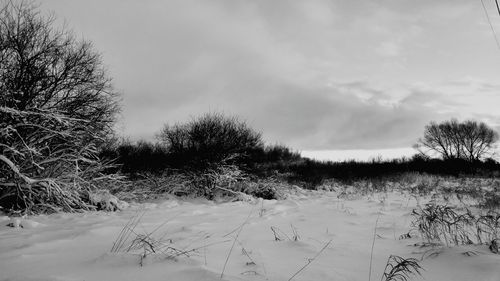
(78, 246)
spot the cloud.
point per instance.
(311, 74)
(389, 49)
(465, 98)
(326, 118)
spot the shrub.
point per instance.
(56, 107)
(137, 158)
(210, 141)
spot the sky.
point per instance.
(357, 78)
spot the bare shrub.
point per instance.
(209, 141)
(56, 106)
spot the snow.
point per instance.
(78, 246)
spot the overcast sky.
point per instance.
(314, 75)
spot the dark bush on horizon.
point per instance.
(209, 141)
(275, 153)
(134, 159)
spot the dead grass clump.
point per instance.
(445, 224)
(400, 269)
(146, 244)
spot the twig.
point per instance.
(309, 261)
(234, 242)
(373, 246)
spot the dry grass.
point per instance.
(239, 229)
(400, 269)
(225, 184)
(443, 223)
(373, 246)
(143, 243)
(449, 225)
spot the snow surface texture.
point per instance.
(78, 246)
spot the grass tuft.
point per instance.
(400, 269)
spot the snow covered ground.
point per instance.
(78, 246)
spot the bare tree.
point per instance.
(56, 105)
(477, 139)
(468, 140)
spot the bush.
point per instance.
(138, 158)
(210, 141)
(56, 107)
(275, 153)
